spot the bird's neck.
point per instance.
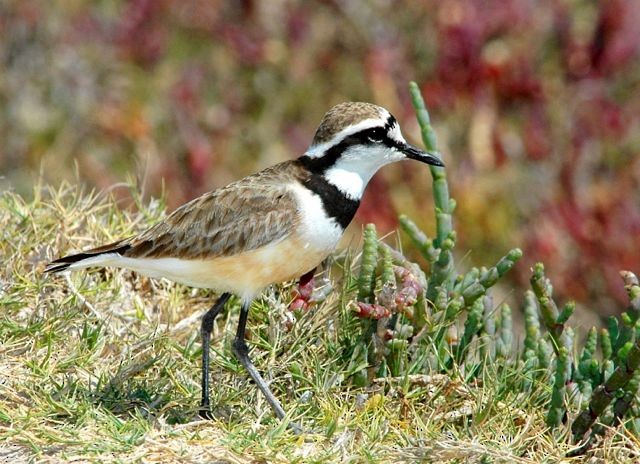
(349, 174)
(337, 205)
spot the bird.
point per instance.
(270, 227)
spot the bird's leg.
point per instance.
(205, 332)
(242, 353)
(306, 281)
(304, 291)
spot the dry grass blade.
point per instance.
(104, 366)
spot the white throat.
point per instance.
(352, 184)
(355, 168)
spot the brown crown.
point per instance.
(343, 115)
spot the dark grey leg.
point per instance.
(205, 332)
(242, 353)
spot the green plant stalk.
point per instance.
(631, 316)
(474, 288)
(544, 353)
(558, 409)
(608, 366)
(589, 350)
(441, 303)
(632, 286)
(613, 326)
(623, 405)
(366, 280)
(419, 239)
(472, 293)
(420, 315)
(567, 338)
(487, 345)
(531, 323)
(594, 376)
(387, 276)
(472, 326)
(529, 366)
(388, 280)
(551, 316)
(567, 311)
(505, 342)
(449, 315)
(605, 344)
(585, 373)
(532, 340)
(442, 271)
(366, 286)
(443, 203)
(604, 394)
(489, 278)
(465, 280)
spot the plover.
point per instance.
(270, 227)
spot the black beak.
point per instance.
(420, 155)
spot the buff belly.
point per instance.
(245, 274)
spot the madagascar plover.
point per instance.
(267, 228)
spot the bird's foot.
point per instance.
(205, 412)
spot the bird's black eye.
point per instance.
(376, 135)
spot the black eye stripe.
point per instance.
(371, 136)
(376, 134)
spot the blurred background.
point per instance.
(536, 104)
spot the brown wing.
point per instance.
(242, 216)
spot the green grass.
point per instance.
(105, 366)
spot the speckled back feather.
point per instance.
(242, 216)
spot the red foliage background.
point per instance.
(536, 105)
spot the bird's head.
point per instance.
(356, 139)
